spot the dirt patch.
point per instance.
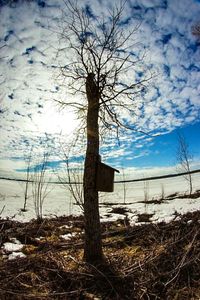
(194, 195)
(145, 217)
(153, 201)
(119, 210)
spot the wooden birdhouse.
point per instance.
(105, 177)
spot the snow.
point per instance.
(15, 255)
(66, 226)
(129, 195)
(39, 238)
(12, 246)
(68, 236)
(161, 212)
(11, 250)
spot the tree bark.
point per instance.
(93, 245)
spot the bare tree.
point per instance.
(162, 194)
(146, 191)
(28, 160)
(40, 186)
(104, 69)
(71, 180)
(124, 185)
(184, 158)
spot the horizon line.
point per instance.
(117, 181)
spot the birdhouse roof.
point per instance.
(109, 167)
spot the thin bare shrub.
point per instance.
(28, 162)
(124, 186)
(1, 211)
(184, 158)
(72, 180)
(146, 191)
(75, 185)
(40, 186)
(162, 195)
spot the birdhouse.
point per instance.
(105, 178)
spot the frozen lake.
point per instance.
(60, 202)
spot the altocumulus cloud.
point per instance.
(28, 67)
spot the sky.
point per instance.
(29, 83)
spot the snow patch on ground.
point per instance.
(68, 236)
(165, 211)
(11, 250)
(12, 246)
(15, 255)
(66, 226)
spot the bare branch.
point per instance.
(103, 47)
(196, 30)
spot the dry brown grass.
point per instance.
(154, 261)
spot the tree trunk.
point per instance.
(93, 244)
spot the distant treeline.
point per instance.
(117, 181)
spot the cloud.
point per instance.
(29, 84)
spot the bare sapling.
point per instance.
(184, 158)
(146, 191)
(124, 186)
(28, 161)
(71, 180)
(2, 209)
(40, 186)
(162, 195)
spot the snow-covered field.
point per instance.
(60, 202)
